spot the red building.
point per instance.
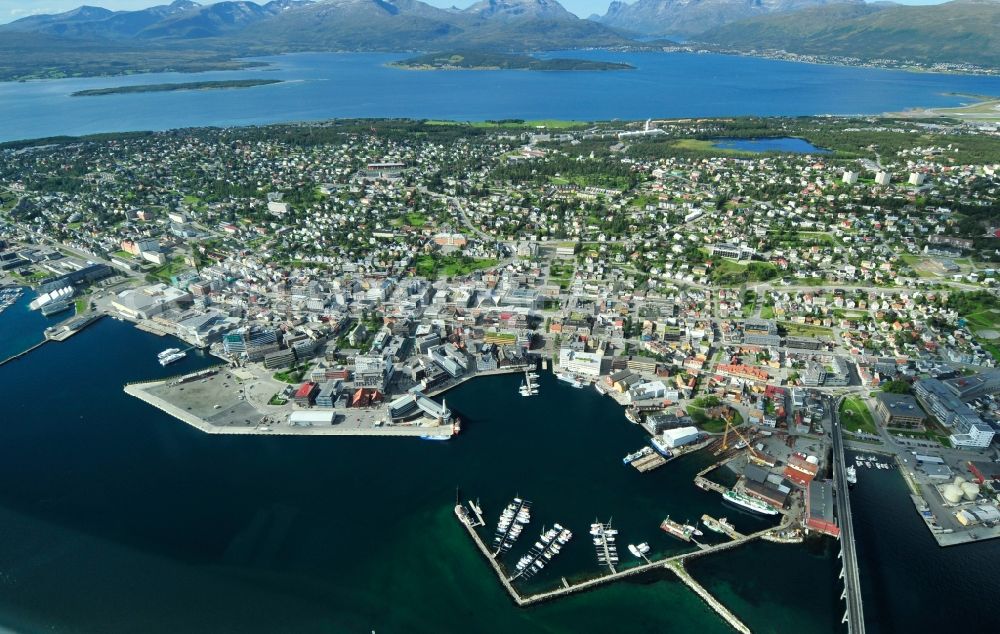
(306, 394)
(819, 508)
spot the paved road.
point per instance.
(852, 582)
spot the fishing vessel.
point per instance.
(570, 379)
(852, 475)
(720, 525)
(752, 504)
(600, 388)
(635, 455)
(676, 529)
(693, 529)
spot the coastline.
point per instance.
(237, 64)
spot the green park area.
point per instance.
(805, 330)
(854, 416)
(729, 273)
(435, 266)
(292, 375)
(168, 270)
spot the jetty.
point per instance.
(677, 567)
(674, 563)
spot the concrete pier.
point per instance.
(677, 567)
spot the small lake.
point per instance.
(785, 144)
(319, 86)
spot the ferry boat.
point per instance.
(660, 447)
(570, 379)
(752, 504)
(53, 308)
(166, 353)
(852, 475)
(679, 531)
(172, 358)
(635, 455)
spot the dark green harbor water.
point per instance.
(117, 518)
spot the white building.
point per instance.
(850, 177)
(917, 179)
(883, 178)
(681, 436)
(576, 362)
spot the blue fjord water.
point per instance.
(337, 85)
(117, 518)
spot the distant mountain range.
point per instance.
(185, 34)
(964, 31)
(685, 18)
(335, 24)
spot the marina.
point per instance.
(512, 522)
(604, 544)
(529, 387)
(550, 543)
(604, 537)
(8, 297)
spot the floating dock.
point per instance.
(648, 463)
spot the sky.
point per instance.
(14, 9)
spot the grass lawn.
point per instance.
(711, 425)
(434, 266)
(805, 330)
(277, 399)
(767, 312)
(416, 220)
(81, 305)
(124, 255)
(818, 236)
(854, 415)
(703, 145)
(987, 319)
(992, 348)
(921, 435)
(292, 375)
(729, 273)
(172, 267)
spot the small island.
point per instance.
(194, 85)
(478, 60)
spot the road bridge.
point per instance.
(854, 616)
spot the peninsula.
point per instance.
(479, 60)
(194, 85)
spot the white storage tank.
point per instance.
(970, 490)
(952, 493)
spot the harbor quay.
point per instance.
(238, 401)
